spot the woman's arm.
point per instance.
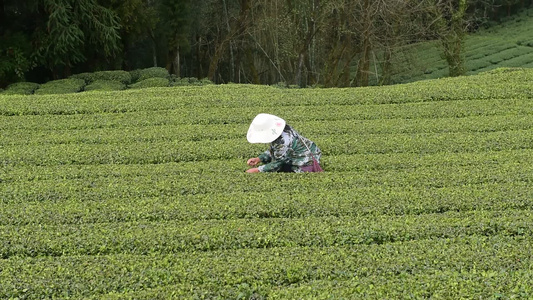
(280, 149)
(265, 157)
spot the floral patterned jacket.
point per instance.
(289, 153)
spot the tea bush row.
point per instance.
(227, 119)
(501, 45)
(104, 81)
(509, 84)
(343, 163)
(92, 181)
(147, 152)
(133, 205)
(131, 132)
(198, 183)
(146, 237)
(385, 271)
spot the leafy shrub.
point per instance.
(17, 62)
(475, 56)
(21, 88)
(105, 85)
(526, 43)
(154, 72)
(476, 64)
(496, 59)
(190, 81)
(519, 61)
(62, 86)
(87, 77)
(150, 82)
(502, 71)
(118, 75)
(284, 85)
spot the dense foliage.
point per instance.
(104, 81)
(141, 193)
(508, 44)
(304, 42)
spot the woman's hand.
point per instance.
(252, 170)
(253, 161)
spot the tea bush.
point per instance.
(189, 81)
(150, 82)
(117, 75)
(105, 85)
(154, 72)
(61, 86)
(21, 88)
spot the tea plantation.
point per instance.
(141, 193)
(507, 44)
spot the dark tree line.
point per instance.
(302, 42)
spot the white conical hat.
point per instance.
(265, 128)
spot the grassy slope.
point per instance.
(508, 44)
(141, 194)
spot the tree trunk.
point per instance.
(250, 59)
(154, 48)
(451, 33)
(386, 72)
(170, 60)
(235, 33)
(213, 64)
(154, 54)
(177, 64)
(344, 79)
(199, 73)
(364, 63)
(67, 70)
(332, 65)
(232, 59)
(312, 30)
(298, 77)
(310, 80)
(2, 17)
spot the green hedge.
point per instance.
(118, 75)
(105, 85)
(21, 88)
(190, 81)
(62, 86)
(154, 72)
(150, 82)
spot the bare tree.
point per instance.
(364, 34)
(341, 43)
(451, 25)
(236, 31)
(327, 42)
